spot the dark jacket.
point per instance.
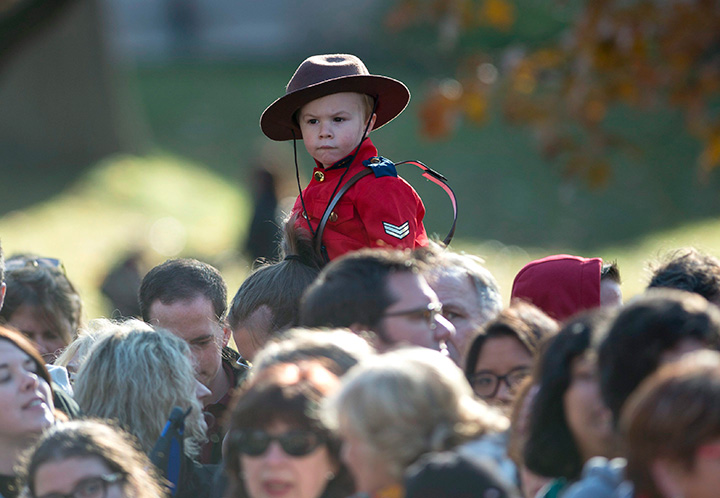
(237, 367)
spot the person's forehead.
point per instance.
(455, 287)
(187, 318)
(410, 288)
(336, 102)
(9, 352)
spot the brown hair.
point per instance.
(672, 414)
(94, 439)
(24, 344)
(522, 321)
(290, 393)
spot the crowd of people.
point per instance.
(386, 373)
(365, 361)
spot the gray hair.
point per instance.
(343, 348)
(408, 402)
(455, 265)
(135, 376)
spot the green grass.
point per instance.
(209, 113)
(169, 206)
(162, 205)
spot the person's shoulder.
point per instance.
(601, 478)
(238, 365)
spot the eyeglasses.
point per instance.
(428, 313)
(16, 263)
(486, 384)
(91, 487)
(295, 443)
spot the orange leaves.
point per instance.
(710, 156)
(440, 111)
(450, 101)
(499, 14)
(466, 14)
(641, 53)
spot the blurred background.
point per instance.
(129, 128)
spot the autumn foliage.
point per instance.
(642, 54)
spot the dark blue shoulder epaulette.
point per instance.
(381, 166)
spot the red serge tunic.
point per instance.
(378, 211)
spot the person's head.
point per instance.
(189, 298)
(378, 291)
(341, 349)
(394, 407)
(88, 458)
(689, 270)
(561, 285)
(27, 402)
(135, 376)
(74, 355)
(610, 281)
(502, 354)
(268, 301)
(334, 125)
(671, 427)
(569, 422)
(327, 80)
(41, 302)
(654, 328)
(277, 440)
(467, 290)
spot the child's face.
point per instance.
(332, 126)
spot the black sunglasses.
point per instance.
(295, 443)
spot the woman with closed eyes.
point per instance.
(27, 404)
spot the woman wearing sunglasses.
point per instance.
(277, 445)
(88, 459)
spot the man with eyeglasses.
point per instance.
(382, 292)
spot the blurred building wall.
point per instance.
(61, 104)
(237, 29)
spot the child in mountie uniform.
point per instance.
(332, 102)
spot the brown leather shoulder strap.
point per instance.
(319, 248)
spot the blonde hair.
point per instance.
(409, 402)
(79, 348)
(135, 376)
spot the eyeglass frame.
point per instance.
(432, 309)
(104, 480)
(499, 378)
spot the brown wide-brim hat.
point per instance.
(322, 75)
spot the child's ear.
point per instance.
(372, 122)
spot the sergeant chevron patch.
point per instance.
(399, 232)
